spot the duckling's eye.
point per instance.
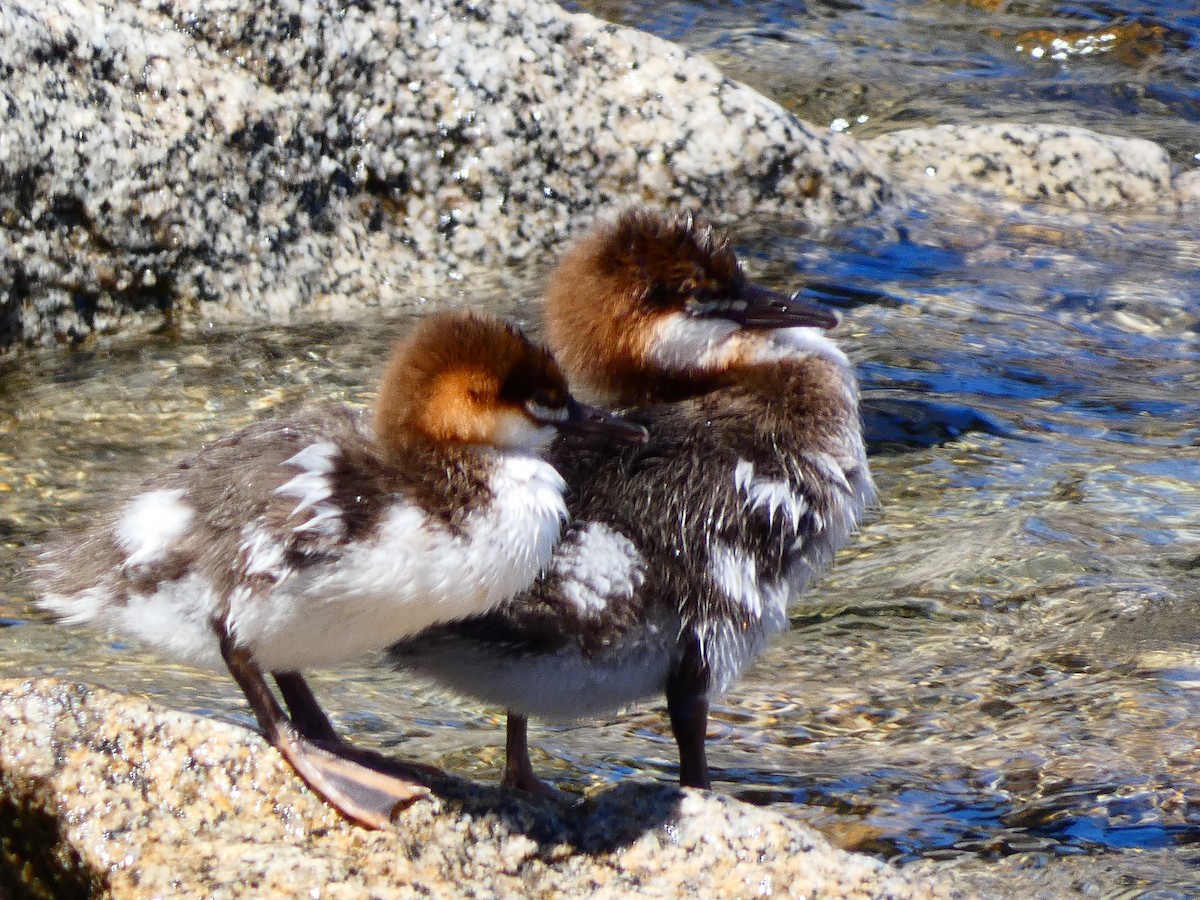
(661, 294)
(545, 407)
(515, 386)
(707, 301)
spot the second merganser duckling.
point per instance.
(681, 556)
(310, 541)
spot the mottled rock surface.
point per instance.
(260, 160)
(1043, 163)
(276, 160)
(104, 794)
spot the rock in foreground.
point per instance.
(101, 794)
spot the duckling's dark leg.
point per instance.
(310, 720)
(687, 705)
(358, 792)
(518, 770)
(308, 717)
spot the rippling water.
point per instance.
(1128, 67)
(1001, 677)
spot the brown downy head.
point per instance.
(473, 379)
(642, 309)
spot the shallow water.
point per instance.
(871, 66)
(1000, 678)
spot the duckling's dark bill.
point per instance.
(584, 419)
(769, 309)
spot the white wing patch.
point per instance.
(776, 498)
(737, 575)
(829, 469)
(598, 565)
(727, 644)
(149, 524)
(312, 488)
(263, 554)
(512, 542)
(74, 609)
(729, 648)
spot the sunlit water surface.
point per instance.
(1000, 679)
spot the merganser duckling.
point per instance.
(680, 557)
(310, 541)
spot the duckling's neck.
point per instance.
(644, 388)
(741, 356)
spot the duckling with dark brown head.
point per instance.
(680, 557)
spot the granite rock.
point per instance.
(1188, 186)
(289, 159)
(266, 159)
(1056, 164)
(102, 794)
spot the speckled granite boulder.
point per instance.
(268, 158)
(1042, 163)
(1188, 186)
(106, 795)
